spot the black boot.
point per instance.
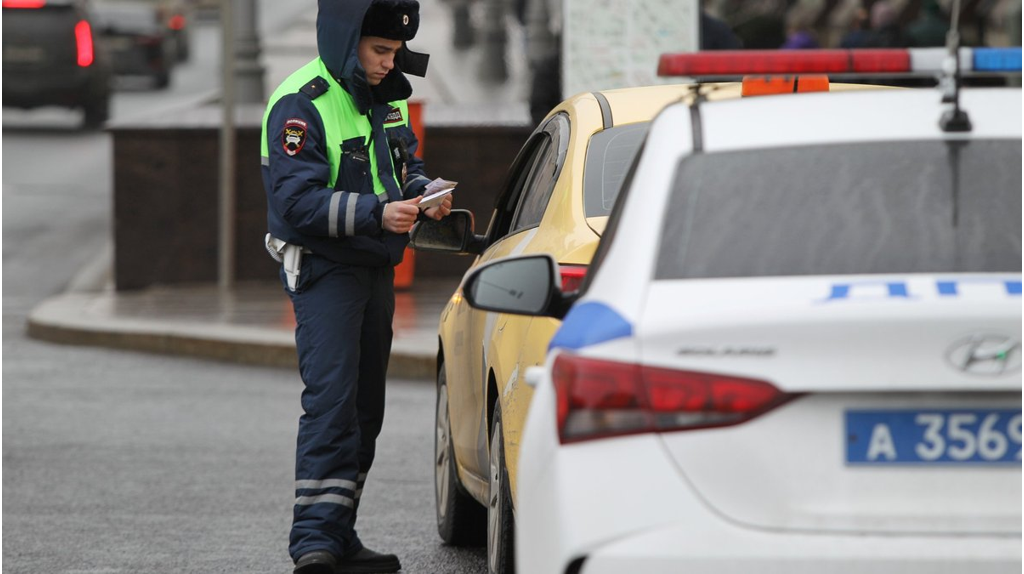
(316, 562)
(367, 561)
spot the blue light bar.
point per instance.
(997, 59)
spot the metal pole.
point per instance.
(248, 71)
(226, 239)
(493, 67)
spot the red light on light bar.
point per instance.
(880, 61)
(744, 62)
(83, 40)
(24, 3)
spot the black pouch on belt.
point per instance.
(399, 155)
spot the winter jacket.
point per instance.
(333, 148)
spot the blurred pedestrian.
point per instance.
(463, 31)
(799, 35)
(859, 31)
(343, 185)
(885, 27)
(716, 34)
(759, 24)
(544, 55)
(929, 28)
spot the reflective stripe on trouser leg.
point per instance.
(329, 312)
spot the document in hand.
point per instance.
(435, 192)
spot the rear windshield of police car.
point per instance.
(893, 207)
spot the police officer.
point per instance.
(343, 185)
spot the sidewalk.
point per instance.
(253, 323)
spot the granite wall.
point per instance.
(166, 181)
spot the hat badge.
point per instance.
(405, 19)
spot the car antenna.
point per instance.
(956, 119)
(698, 95)
(696, 126)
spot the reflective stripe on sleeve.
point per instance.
(326, 499)
(264, 160)
(332, 215)
(350, 214)
(414, 180)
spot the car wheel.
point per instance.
(500, 520)
(96, 113)
(182, 50)
(460, 519)
(162, 79)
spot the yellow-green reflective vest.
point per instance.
(340, 116)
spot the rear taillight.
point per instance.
(599, 399)
(24, 3)
(572, 276)
(83, 41)
(176, 22)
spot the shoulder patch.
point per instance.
(315, 87)
(293, 137)
(394, 116)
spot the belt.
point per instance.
(288, 255)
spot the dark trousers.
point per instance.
(343, 317)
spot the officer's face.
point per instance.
(377, 55)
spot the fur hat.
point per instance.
(392, 19)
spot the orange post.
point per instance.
(405, 270)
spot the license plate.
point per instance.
(120, 43)
(941, 436)
(23, 55)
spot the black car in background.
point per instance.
(137, 40)
(50, 58)
(177, 18)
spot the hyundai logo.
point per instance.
(985, 355)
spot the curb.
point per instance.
(63, 319)
(78, 317)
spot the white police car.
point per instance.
(798, 347)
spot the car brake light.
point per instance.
(572, 276)
(83, 40)
(598, 399)
(177, 22)
(24, 3)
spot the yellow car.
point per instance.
(556, 200)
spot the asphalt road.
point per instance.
(122, 463)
